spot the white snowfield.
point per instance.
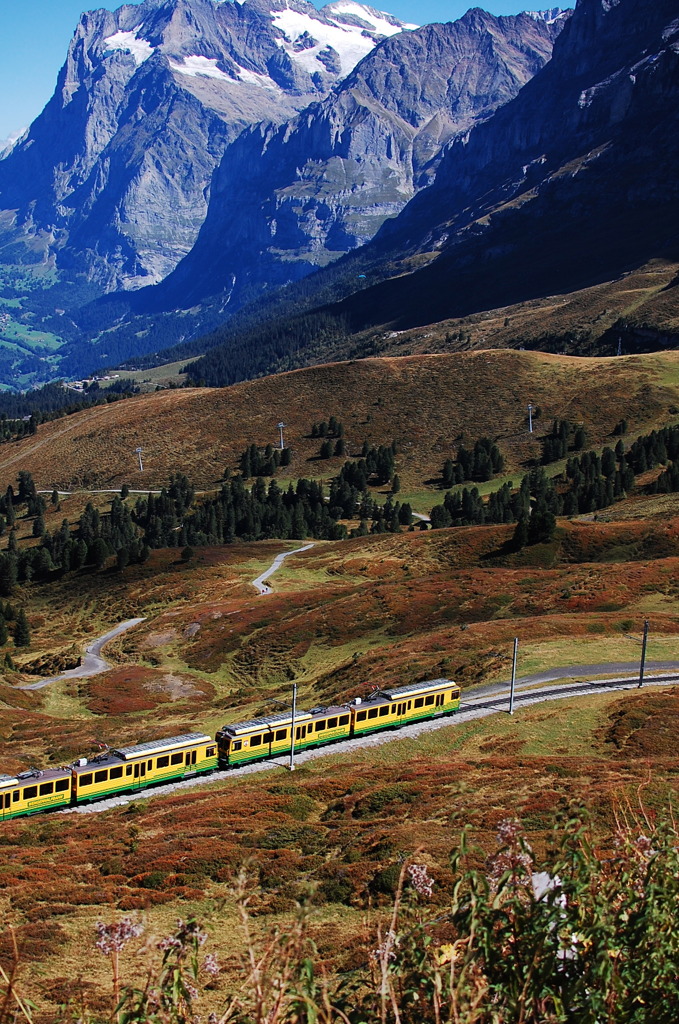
(197, 65)
(129, 42)
(350, 42)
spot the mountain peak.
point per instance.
(551, 15)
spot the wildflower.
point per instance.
(385, 950)
(420, 879)
(515, 857)
(114, 937)
(211, 965)
(187, 935)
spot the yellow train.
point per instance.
(147, 764)
(267, 737)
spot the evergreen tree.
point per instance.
(22, 633)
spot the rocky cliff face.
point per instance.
(113, 178)
(569, 184)
(291, 198)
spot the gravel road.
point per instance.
(260, 582)
(92, 663)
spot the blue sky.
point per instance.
(34, 37)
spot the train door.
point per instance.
(401, 710)
(5, 804)
(440, 697)
(140, 773)
(190, 758)
(300, 732)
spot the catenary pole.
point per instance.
(513, 683)
(643, 654)
(292, 729)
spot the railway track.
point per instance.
(470, 710)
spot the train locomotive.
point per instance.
(130, 769)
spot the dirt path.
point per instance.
(92, 664)
(260, 582)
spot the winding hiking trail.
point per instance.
(92, 664)
(260, 583)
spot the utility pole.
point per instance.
(292, 723)
(292, 728)
(513, 683)
(141, 464)
(280, 427)
(643, 654)
(530, 418)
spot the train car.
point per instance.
(389, 709)
(145, 764)
(258, 738)
(261, 738)
(34, 791)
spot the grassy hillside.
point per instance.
(426, 403)
(344, 616)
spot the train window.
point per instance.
(320, 726)
(15, 795)
(410, 704)
(373, 713)
(176, 759)
(7, 799)
(268, 737)
(149, 765)
(419, 702)
(384, 710)
(429, 700)
(282, 734)
(85, 780)
(46, 788)
(255, 740)
(163, 762)
(360, 717)
(128, 769)
(116, 773)
(332, 723)
(30, 792)
(344, 720)
(62, 785)
(211, 751)
(236, 745)
(101, 776)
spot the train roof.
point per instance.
(415, 688)
(253, 724)
(190, 739)
(33, 774)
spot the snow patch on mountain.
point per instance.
(550, 16)
(129, 42)
(378, 21)
(255, 78)
(197, 65)
(350, 42)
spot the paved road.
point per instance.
(579, 672)
(260, 582)
(92, 664)
(468, 712)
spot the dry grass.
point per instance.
(425, 403)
